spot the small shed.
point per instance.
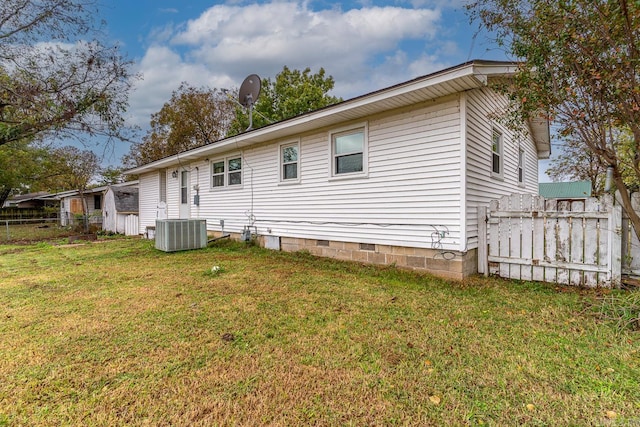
(120, 211)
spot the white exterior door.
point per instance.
(185, 206)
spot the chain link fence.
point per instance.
(35, 229)
(16, 230)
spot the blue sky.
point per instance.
(365, 45)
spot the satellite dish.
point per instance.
(248, 95)
(249, 91)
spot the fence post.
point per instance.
(615, 245)
(483, 260)
(6, 222)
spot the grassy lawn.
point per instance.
(32, 231)
(117, 333)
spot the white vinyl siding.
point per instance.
(413, 187)
(482, 187)
(149, 199)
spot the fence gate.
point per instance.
(575, 242)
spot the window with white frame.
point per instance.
(234, 167)
(217, 174)
(226, 172)
(184, 187)
(348, 152)
(496, 152)
(521, 165)
(289, 161)
(162, 196)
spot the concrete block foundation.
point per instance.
(446, 264)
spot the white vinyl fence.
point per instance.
(577, 242)
(131, 225)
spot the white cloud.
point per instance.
(451, 4)
(363, 49)
(162, 71)
(262, 38)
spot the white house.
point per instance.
(120, 209)
(71, 205)
(392, 177)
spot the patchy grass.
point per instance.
(32, 231)
(117, 333)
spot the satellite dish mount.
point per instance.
(248, 95)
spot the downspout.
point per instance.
(463, 172)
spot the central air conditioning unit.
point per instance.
(181, 234)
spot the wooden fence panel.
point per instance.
(538, 239)
(566, 242)
(504, 238)
(615, 246)
(576, 256)
(550, 241)
(563, 245)
(515, 234)
(527, 239)
(591, 245)
(494, 245)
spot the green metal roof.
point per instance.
(565, 190)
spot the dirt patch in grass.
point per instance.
(122, 334)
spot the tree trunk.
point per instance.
(85, 212)
(625, 198)
(4, 195)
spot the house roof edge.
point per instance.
(475, 73)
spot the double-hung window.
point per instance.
(226, 172)
(496, 154)
(349, 152)
(217, 177)
(184, 187)
(289, 162)
(235, 171)
(521, 164)
(162, 196)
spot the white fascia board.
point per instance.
(483, 71)
(541, 135)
